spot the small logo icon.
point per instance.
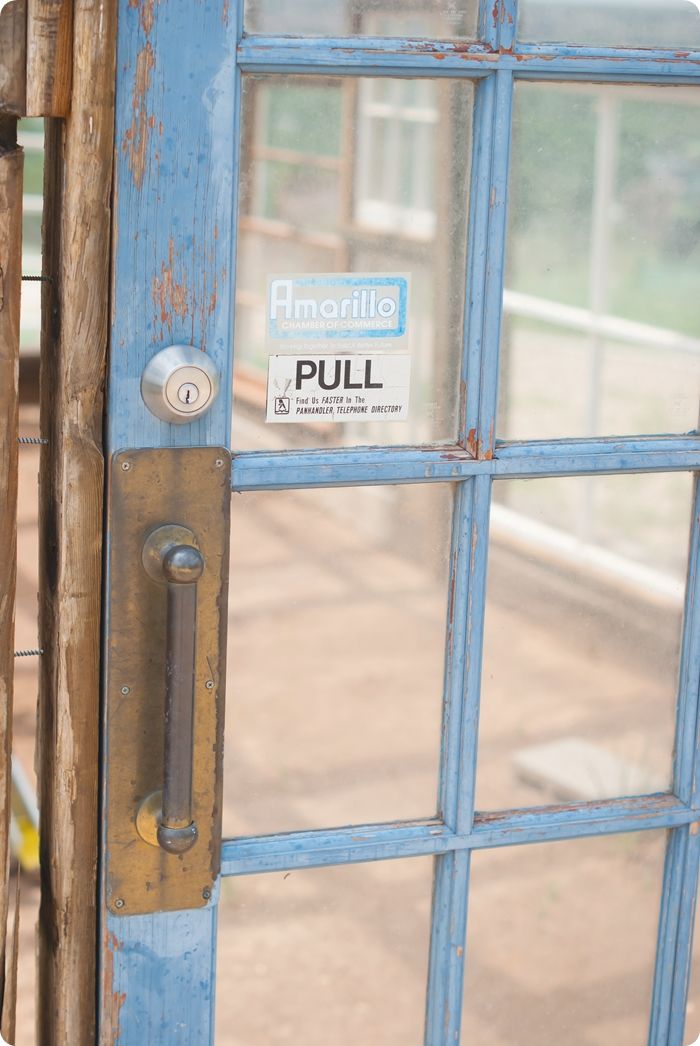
(281, 404)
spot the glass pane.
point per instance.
(438, 18)
(583, 623)
(602, 318)
(611, 23)
(561, 942)
(340, 185)
(336, 649)
(692, 1013)
(331, 955)
(31, 138)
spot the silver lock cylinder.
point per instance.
(179, 384)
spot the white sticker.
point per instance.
(369, 386)
(337, 312)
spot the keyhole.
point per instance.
(188, 393)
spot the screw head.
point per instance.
(119, 903)
(126, 465)
(206, 893)
(219, 463)
(126, 690)
(209, 684)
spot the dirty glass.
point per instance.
(354, 179)
(327, 955)
(692, 1012)
(612, 23)
(582, 634)
(438, 18)
(560, 942)
(601, 331)
(336, 647)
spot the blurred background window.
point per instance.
(611, 23)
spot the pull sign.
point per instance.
(370, 386)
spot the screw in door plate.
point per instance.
(209, 684)
(126, 690)
(206, 893)
(125, 466)
(119, 903)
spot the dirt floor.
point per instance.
(337, 616)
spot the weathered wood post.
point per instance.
(71, 69)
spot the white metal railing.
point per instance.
(611, 328)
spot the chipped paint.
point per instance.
(169, 295)
(137, 135)
(146, 13)
(116, 998)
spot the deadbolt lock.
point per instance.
(179, 384)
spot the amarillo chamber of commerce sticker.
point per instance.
(337, 347)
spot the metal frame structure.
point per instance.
(175, 214)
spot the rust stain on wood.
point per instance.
(136, 138)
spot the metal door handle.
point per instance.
(165, 818)
(182, 567)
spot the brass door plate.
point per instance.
(188, 488)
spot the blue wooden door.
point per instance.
(398, 715)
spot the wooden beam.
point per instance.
(49, 57)
(74, 343)
(13, 38)
(10, 284)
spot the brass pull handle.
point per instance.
(182, 567)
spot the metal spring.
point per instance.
(31, 440)
(37, 279)
(28, 653)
